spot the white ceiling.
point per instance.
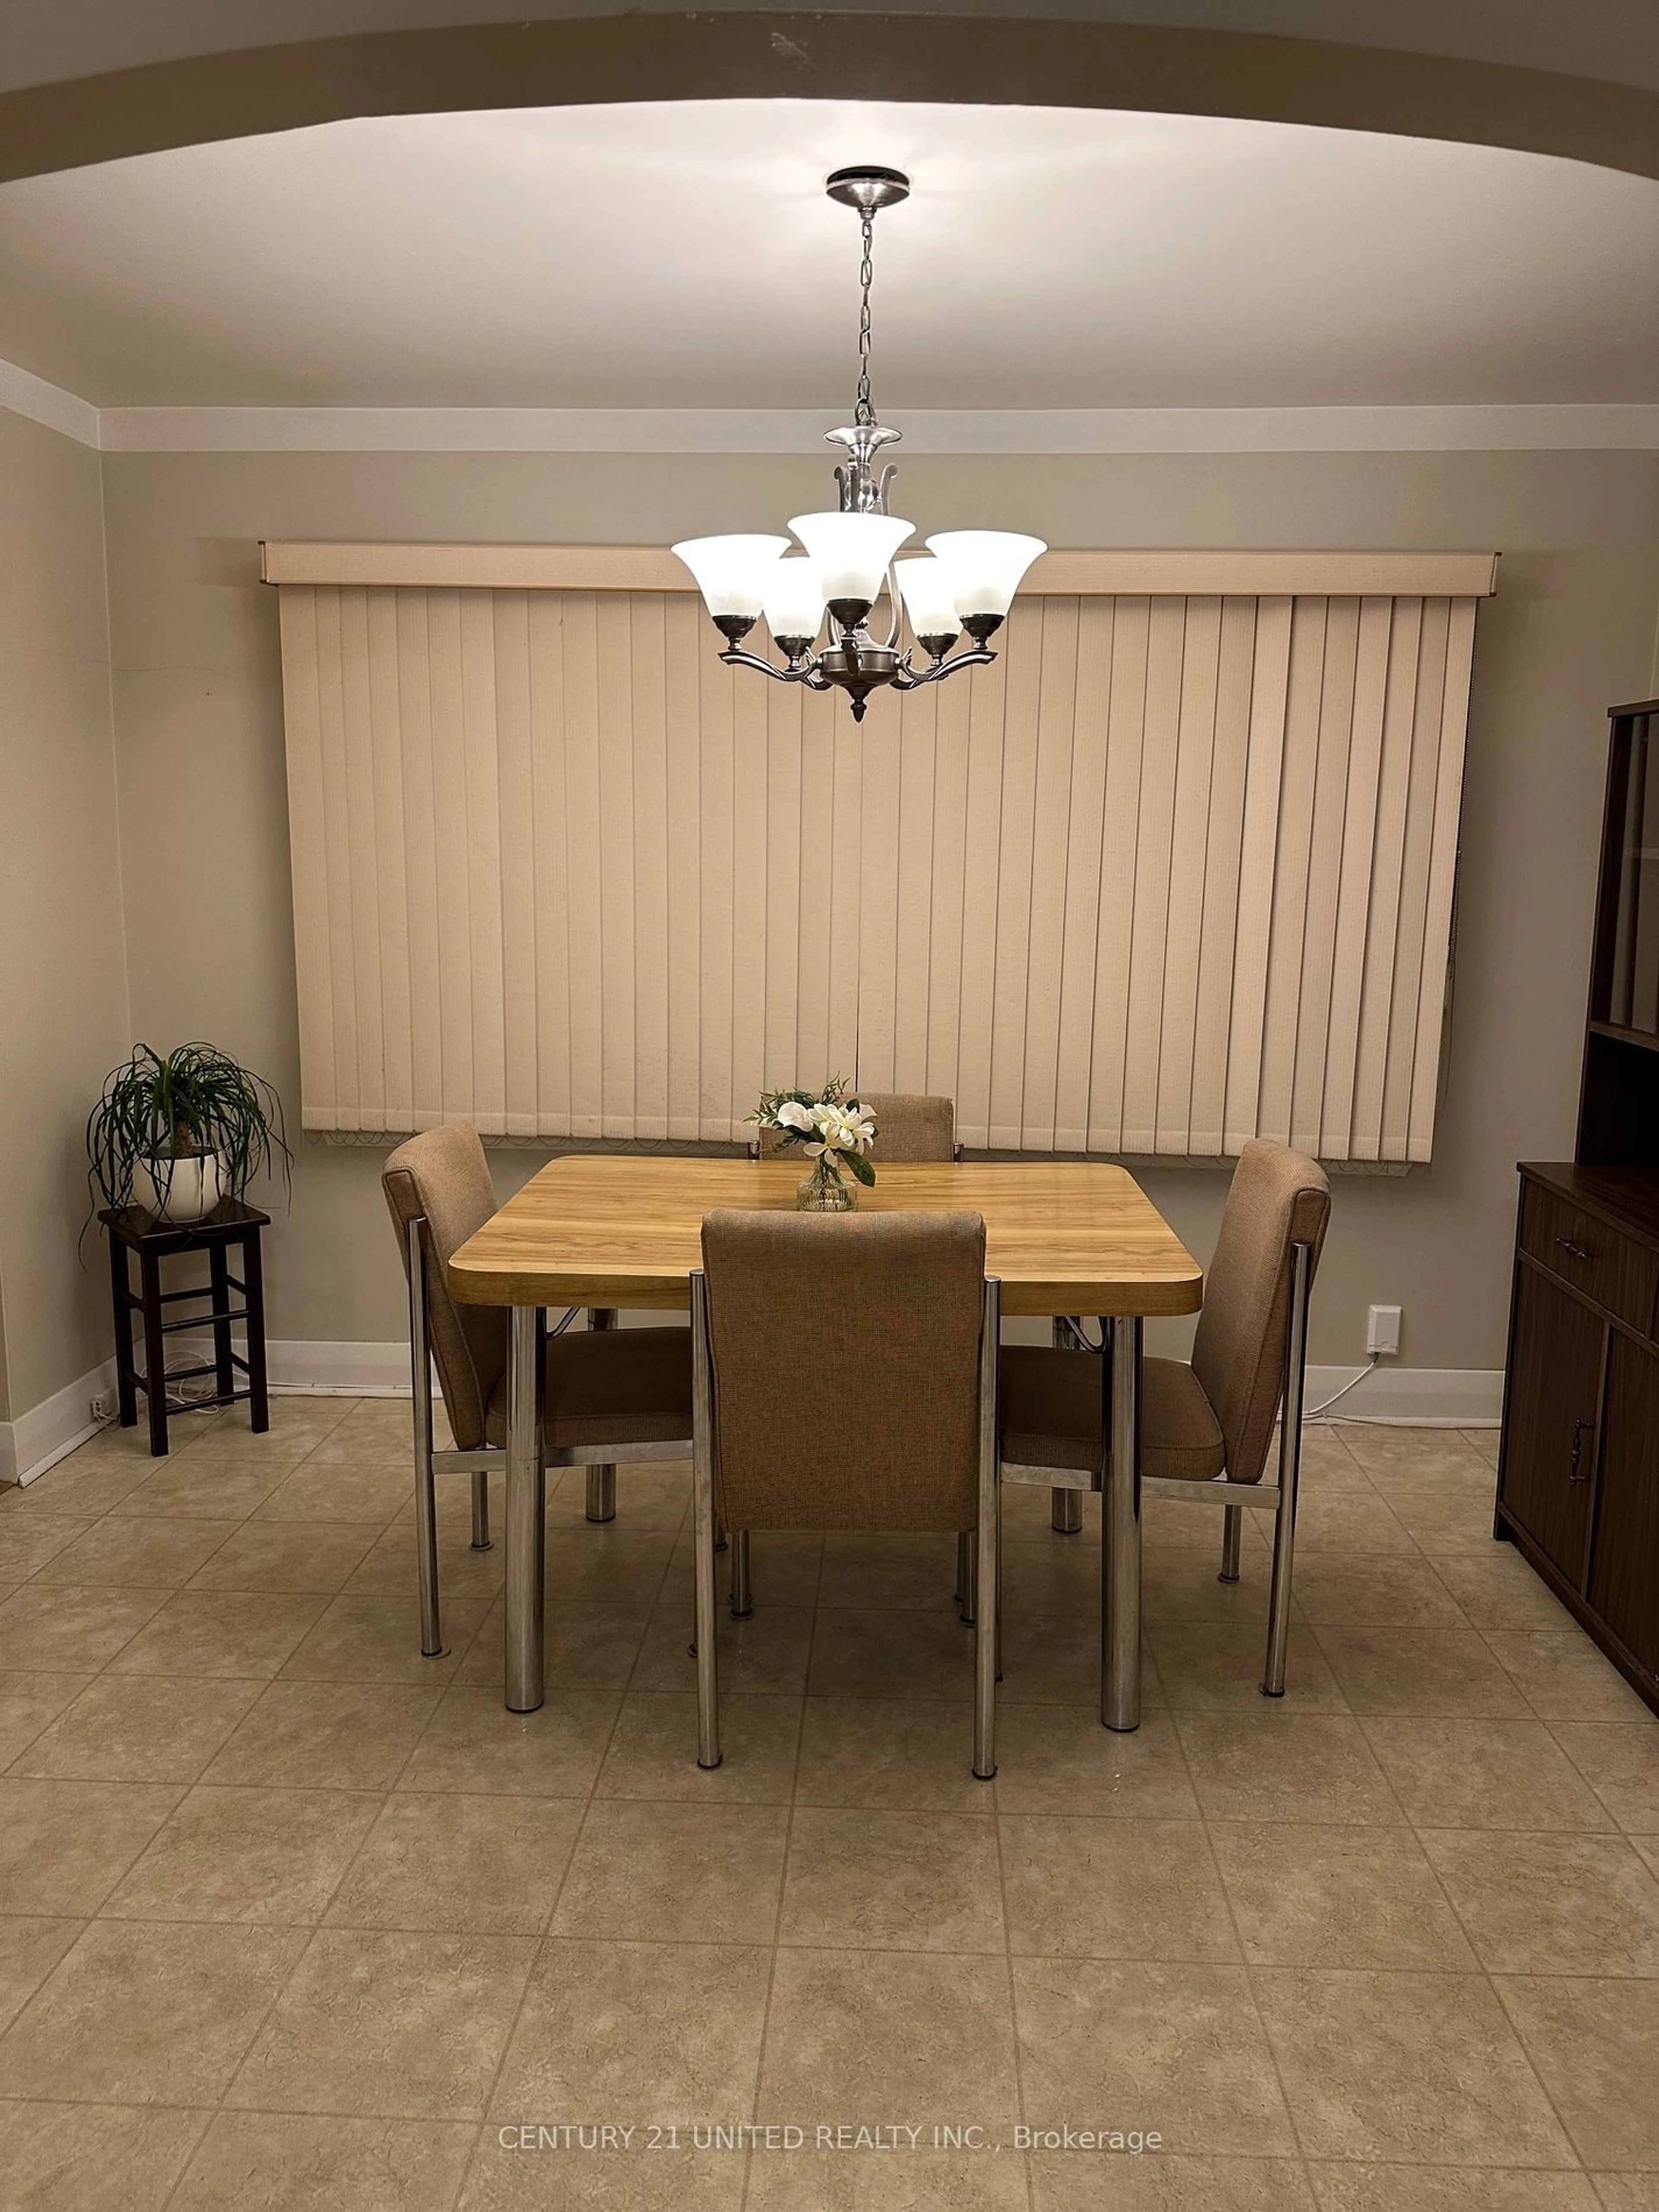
(683, 256)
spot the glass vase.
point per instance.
(825, 1191)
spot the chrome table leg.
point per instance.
(426, 1503)
(1065, 1506)
(743, 1595)
(602, 1476)
(526, 1530)
(702, 1528)
(986, 1549)
(1120, 1583)
(1232, 1534)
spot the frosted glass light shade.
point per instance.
(731, 573)
(925, 583)
(852, 551)
(984, 567)
(794, 603)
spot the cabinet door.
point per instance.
(1623, 1584)
(1549, 1440)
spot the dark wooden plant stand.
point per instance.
(133, 1230)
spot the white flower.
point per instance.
(833, 1130)
(791, 1115)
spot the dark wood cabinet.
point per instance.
(1556, 1362)
(1578, 1470)
(1624, 1578)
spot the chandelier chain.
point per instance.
(864, 411)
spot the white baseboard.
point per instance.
(1414, 1397)
(328, 1369)
(1425, 1397)
(48, 1431)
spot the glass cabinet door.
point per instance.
(1632, 972)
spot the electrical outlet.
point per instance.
(103, 1405)
(1382, 1330)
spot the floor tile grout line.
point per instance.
(303, 1954)
(783, 1875)
(208, 2117)
(540, 1950)
(776, 1945)
(998, 1817)
(1553, 1731)
(1249, 1978)
(1495, 1982)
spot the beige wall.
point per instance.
(198, 735)
(63, 978)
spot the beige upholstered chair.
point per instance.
(1205, 1429)
(845, 1374)
(611, 1391)
(909, 1126)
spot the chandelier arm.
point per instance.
(895, 604)
(979, 656)
(799, 671)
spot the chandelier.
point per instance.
(964, 582)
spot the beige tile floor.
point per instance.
(291, 1918)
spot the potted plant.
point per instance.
(834, 1131)
(176, 1135)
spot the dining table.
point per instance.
(1065, 1238)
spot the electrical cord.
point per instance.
(1074, 1328)
(1311, 1413)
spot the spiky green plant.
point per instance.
(197, 1099)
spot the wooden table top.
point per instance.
(1064, 1235)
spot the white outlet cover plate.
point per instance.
(1382, 1329)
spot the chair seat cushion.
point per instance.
(621, 1386)
(1051, 1415)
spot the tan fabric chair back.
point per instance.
(442, 1174)
(1278, 1198)
(845, 1353)
(909, 1126)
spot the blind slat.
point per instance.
(551, 890)
(516, 744)
(1223, 849)
(1057, 691)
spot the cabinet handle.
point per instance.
(1574, 1251)
(1580, 1431)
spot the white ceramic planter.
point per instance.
(193, 1189)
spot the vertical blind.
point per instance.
(1176, 871)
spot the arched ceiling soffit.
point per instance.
(760, 53)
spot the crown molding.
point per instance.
(23, 393)
(714, 430)
(1566, 428)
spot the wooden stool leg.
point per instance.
(120, 1282)
(253, 1276)
(224, 1375)
(156, 1353)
